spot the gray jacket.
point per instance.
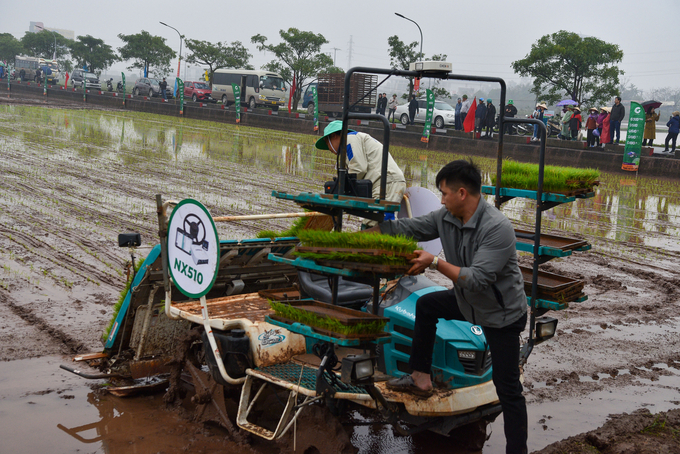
(490, 288)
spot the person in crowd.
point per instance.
(379, 105)
(605, 137)
(510, 112)
(591, 126)
(651, 118)
(600, 119)
(538, 114)
(413, 109)
(393, 104)
(458, 123)
(364, 158)
(464, 108)
(490, 118)
(481, 261)
(575, 123)
(384, 104)
(673, 130)
(480, 116)
(616, 117)
(164, 87)
(566, 118)
(38, 75)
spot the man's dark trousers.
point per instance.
(504, 347)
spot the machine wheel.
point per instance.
(524, 130)
(224, 100)
(135, 91)
(439, 122)
(150, 93)
(404, 119)
(251, 103)
(194, 98)
(310, 108)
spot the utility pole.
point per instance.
(335, 49)
(349, 62)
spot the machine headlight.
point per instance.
(357, 369)
(467, 354)
(545, 328)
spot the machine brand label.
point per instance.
(476, 330)
(405, 312)
(271, 337)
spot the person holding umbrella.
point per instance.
(565, 122)
(651, 117)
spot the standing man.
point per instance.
(364, 158)
(379, 105)
(164, 86)
(480, 116)
(538, 114)
(481, 260)
(384, 104)
(510, 112)
(458, 122)
(465, 106)
(490, 118)
(413, 109)
(393, 104)
(616, 117)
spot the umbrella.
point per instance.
(649, 105)
(567, 102)
(46, 70)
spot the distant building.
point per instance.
(36, 27)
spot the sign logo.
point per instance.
(193, 248)
(476, 330)
(271, 337)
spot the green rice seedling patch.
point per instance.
(326, 323)
(522, 175)
(121, 299)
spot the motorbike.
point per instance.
(109, 84)
(119, 87)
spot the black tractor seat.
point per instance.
(350, 294)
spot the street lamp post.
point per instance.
(421, 32)
(179, 62)
(54, 55)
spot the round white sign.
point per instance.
(193, 248)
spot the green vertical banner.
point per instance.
(636, 129)
(180, 92)
(316, 108)
(428, 117)
(122, 76)
(237, 101)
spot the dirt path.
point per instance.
(66, 195)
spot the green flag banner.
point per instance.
(316, 108)
(636, 129)
(237, 101)
(180, 92)
(428, 117)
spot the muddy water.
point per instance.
(73, 180)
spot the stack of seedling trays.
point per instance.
(282, 294)
(331, 322)
(553, 287)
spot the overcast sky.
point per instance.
(480, 37)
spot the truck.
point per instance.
(198, 317)
(330, 90)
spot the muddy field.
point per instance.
(73, 180)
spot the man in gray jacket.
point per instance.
(481, 260)
(615, 119)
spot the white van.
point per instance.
(258, 88)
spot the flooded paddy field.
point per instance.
(72, 180)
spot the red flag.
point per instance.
(469, 123)
(66, 81)
(416, 84)
(292, 93)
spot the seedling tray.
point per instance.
(553, 241)
(282, 294)
(374, 268)
(553, 286)
(370, 252)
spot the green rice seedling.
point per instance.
(298, 225)
(521, 175)
(326, 323)
(397, 244)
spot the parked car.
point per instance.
(150, 87)
(443, 115)
(198, 91)
(80, 77)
